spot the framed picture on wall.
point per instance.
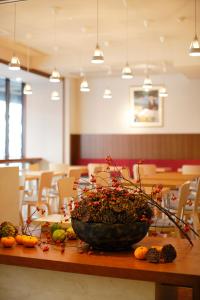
(146, 107)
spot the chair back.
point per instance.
(102, 178)
(9, 195)
(76, 173)
(34, 167)
(143, 170)
(96, 167)
(184, 192)
(196, 208)
(191, 169)
(125, 172)
(45, 183)
(59, 167)
(66, 189)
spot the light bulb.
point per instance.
(14, 64)
(27, 89)
(55, 96)
(84, 87)
(55, 76)
(127, 72)
(107, 94)
(98, 56)
(194, 47)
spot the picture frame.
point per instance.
(146, 107)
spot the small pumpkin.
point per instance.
(140, 252)
(19, 239)
(29, 241)
(8, 241)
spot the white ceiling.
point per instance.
(159, 34)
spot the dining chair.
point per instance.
(191, 169)
(140, 170)
(66, 190)
(96, 167)
(42, 196)
(9, 195)
(103, 178)
(58, 167)
(163, 224)
(76, 173)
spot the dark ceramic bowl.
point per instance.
(111, 237)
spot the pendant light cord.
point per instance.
(14, 25)
(195, 17)
(127, 31)
(97, 22)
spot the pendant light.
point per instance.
(27, 88)
(126, 71)
(98, 57)
(55, 75)
(55, 96)
(147, 85)
(84, 86)
(107, 94)
(163, 92)
(195, 47)
(14, 64)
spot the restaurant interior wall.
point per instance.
(44, 119)
(96, 115)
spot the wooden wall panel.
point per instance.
(140, 146)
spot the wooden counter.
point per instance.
(184, 271)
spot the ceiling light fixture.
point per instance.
(147, 85)
(98, 57)
(55, 96)
(14, 64)
(126, 71)
(163, 92)
(84, 86)
(27, 88)
(55, 75)
(107, 94)
(195, 47)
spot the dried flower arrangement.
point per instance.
(125, 202)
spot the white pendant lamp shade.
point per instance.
(14, 64)
(194, 47)
(55, 76)
(55, 96)
(147, 85)
(84, 87)
(98, 57)
(27, 89)
(107, 94)
(163, 92)
(127, 72)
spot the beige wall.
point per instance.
(97, 115)
(44, 121)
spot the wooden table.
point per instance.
(184, 271)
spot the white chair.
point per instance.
(96, 167)
(59, 167)
(191, 169)
(42, 198)
(66, 190)
(163, 224)
(9, 195)
(143, 170)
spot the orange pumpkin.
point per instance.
(19, 239)
(140, 252)
(29, 241)
(8, 241)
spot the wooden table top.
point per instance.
(185, 270)
(170, 176)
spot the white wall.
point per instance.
(97, 115)
(44, 121)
